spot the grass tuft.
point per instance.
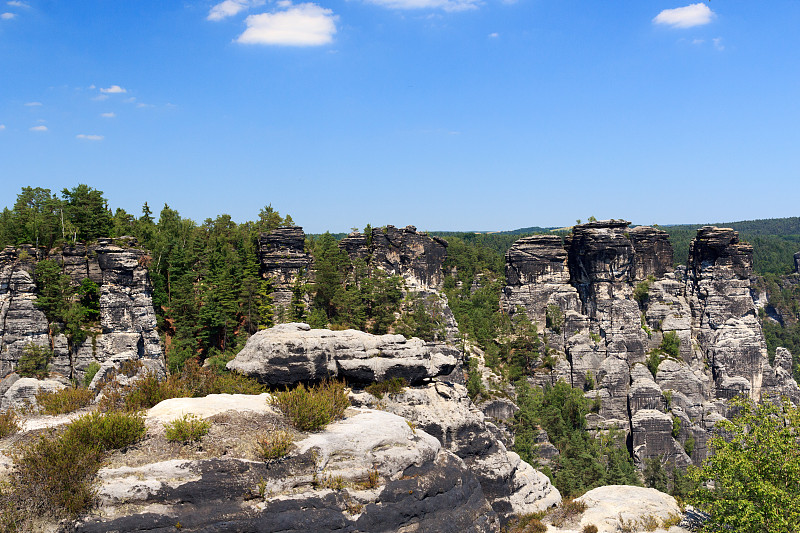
(188, 428)
(274, 445)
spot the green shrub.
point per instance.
(91, 372)
(274, 445)
(653, 360)
(554, 318)
(188, 428)
(9, 423)
(676, 427)
(192, 381)
(150, 390)
(641, 292)
(63, 401)
(391, 386)
(53, 476)
(589, 381)
(235, 383)
(671, 344)
(34, 362)
(527, 524)
(688, 446)
(475, 388)
(312, 408)
(107, 431)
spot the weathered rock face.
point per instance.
(797, 263)
(21, 323)
(283, 259)
(445, 411)
(606, 334)
(292, 353)
(417, 257)
(321, 486)
(653, 255)
(537, 276)
(127, 317)
(616, 508)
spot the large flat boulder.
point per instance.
(292, 353)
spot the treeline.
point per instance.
(208, 291)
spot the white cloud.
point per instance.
(2, 127)
(718, 44)
(100, 97)
(7, 16)
(494, 35)
(698, 41)
(141, 105)
(130, 100)
(229, 8)
(685, 17)
(17, 3)
(33, 104)
(301, 25)
(108, 115)
(89, 137)
(114, 89)
(38, 128)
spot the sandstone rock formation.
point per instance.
(283, 259)
(417, 257)
(616, 508)
(445, 411)
(127, 318)
(292, 353)
(322, 485)
(617, 297)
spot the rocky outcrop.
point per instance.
(616, 508)
(322, 485)
(284, 260)
(615, 297)
(537, 276)
(797, 263)
(445, 411)
(127, 319)
(415, 256)
(21, 391)
(653, 252)
(21, 322)
(292, 353)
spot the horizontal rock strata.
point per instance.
(292, 353)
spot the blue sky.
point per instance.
(444, 114)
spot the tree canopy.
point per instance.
(751, 482)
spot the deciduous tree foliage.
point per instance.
(752, 479)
